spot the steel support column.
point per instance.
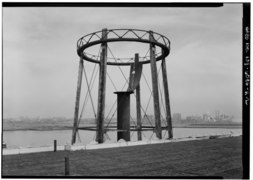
(78, 93)
(167, 99)
(138, 104)
(101, 90)
(158, 128)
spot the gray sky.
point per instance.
(40, 62)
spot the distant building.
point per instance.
(206, 117)
(194, 119)
(221, 117)
(217, 115)
(189, 118)
(177, 117)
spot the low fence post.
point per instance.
(55, 145)
(66, 166)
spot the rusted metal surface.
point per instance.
(135, 75)
(158, 130)
(167, 99)
(78, 94)
(123, 115)
(131, 78)
(121, 35)
(101, 91)
(138, 105)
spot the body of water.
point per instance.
(21, 139)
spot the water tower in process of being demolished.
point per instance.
(158, 48)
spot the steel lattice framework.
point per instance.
(103, 38)
(120, 35)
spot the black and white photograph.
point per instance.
(125, 90)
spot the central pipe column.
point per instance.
(101, 90)
(123, 115)
(158, 129)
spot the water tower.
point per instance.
(135, 63)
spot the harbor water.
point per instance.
(28, 138)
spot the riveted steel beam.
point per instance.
(101, 90)
(157, 117)
(167, 99)
(78, 94)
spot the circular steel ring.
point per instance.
(112, 35)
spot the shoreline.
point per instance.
(70, 128)
(78, 146)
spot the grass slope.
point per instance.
(212, 157)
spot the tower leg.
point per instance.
(138, 105)
(101, 91)
(78, 93)
(167, 99)
(158, 128)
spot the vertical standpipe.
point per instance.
(78, 93)
(123, 115)
(101, 90)
(158, 128)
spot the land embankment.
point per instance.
(210, 157)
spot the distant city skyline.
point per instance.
(173, 115)
(40, 62)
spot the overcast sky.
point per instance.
(40, 63)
